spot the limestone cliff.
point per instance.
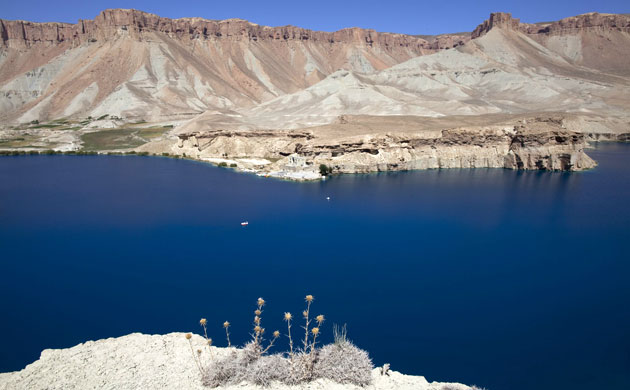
(540, 143)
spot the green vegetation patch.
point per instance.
(47, 126)
(22, 141)
(152, 133)
(111, 139)
(120, 138)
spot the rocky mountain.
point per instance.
(134, 64)
(504, 70)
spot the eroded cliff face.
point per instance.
(112, 22)
(593, 40)
(541, 143)
(584, 22)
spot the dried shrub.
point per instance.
(268, 369)
(344, 363)
(222, 370)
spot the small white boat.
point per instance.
(328, 198)
(244, 223)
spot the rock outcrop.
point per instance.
(540, 143)
(570, 25)
(497, 19)
(139, 361)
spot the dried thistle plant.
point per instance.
(258, 330)
(315, 331)
(341, 362)
(276, 334)
(226, 325)
(309, 300)
(192, 350)
(288, 317)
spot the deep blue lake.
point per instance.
(503, 279)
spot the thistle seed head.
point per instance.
(226, 324)
(188, 336)
(315, 331)
(257, 329)
(257, 320)
(276, 334)
(305, 314)
(309, 298)
(258, 312)
(261, 302)
(203, 322)
(287, 316)
(320, 319)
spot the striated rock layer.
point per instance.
(589, 21)
(139, 361)
(107, 24)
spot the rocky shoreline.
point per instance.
(139, 361)
(539, 143)
(356, 145)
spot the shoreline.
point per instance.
(262, 174)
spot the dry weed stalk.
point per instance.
(192, 350)
(309, 299)
(226, 325)
(287, 318)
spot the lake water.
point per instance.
(503, 279)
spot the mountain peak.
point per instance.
(496, 19)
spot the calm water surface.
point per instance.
(508, 280)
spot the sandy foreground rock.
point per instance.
(139, 361)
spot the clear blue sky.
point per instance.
(403, 16)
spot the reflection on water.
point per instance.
(508, 280)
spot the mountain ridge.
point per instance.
(19, 33)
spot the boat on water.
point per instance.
(244, 223)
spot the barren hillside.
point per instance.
(134, 64)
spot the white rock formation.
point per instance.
(139, 361)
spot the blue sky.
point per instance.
(403, 16)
